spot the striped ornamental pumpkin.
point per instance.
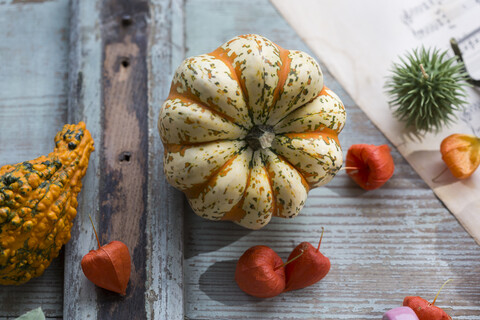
(248, 130)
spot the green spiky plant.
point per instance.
(426, 89)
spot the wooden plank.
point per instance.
(84, 103)
(384, 244)
(33, 107)
(121, 197)
(165, 284)
(109, 88)
(123, 160)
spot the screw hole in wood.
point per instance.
(125, 62)
(127, 20)
(125, 156)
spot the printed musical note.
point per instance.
(430, 17)
(471, 117)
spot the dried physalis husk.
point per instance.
(369, 166)
(461, 153)
(109, 266)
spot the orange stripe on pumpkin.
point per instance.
(324, 133)
(303, 174)
(270, 175)
(228, 57)
(282, 75)
(189, 97)
(195, 191)
(237, 213)
(300, 173)
(324, 92)
(277, 207)
(180, 148)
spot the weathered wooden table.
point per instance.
(110, 64)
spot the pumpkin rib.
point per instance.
(236, 213)
(324, 111)
(297, 97)
(193, 165)
(197, 190)
(306, 81)
(189, 97)
(305, 183)
(259, 208)
(303, 105)
(253, 67)
(182, 147)
(270, 180)
(282, 78)
(304, 173)
(324, 132)
(235, 192)
(279, 202)
(244, 88)
(233, 214)
(326, 91)
(209, 80)
(222, 55)
(186, 122)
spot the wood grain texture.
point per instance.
(123, 158)
(84, 103)
(33, 107)
(118, 109)
(384, 244)
(111, 88)
(165, 284)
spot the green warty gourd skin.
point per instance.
(427, 100)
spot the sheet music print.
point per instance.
(444, 19)
(426, 18)
(431, 18)
(470, 47)
(471, 117)
(439, 20)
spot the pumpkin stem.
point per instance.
(96, 235)
(319, 242)
(291, 260)
(425, 75)
(260, 137)
(441, 290)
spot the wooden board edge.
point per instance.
(164, 294)
(84, 104)
(165, 279)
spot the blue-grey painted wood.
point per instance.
(33, 107)
(164, 261)
(384, 244)
(165, 284)
(84, 104)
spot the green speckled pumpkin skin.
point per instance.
(38, 201)
(248, 130)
